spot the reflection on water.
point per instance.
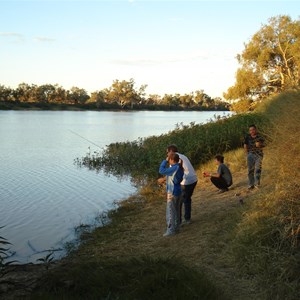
(43, 196)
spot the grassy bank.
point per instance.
(267, 241)
(200, 143)
(241, 244)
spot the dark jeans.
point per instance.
(219, 182)
(186, 196)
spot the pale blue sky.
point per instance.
(172, 46)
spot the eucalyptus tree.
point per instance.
(202, 99)
(171, 100)
(77, 95)
(60, 94)
(270, 61)
(124, 93)
(97, 98)
(186, 100)
(45, 93)
(23, 92)
(5, 93)
(153, 99)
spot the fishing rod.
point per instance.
(84, 138)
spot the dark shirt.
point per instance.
(250, 142)
(225, 173)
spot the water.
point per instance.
(43, 195)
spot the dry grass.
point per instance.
(267, 243)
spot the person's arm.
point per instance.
(161, 180)
(246, 148)
(211, 174)
(260, 143)
(164, 170)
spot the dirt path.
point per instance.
(204, 244)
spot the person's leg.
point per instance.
(187, 200)
(219, 182)
(177, 202)
(258, 166)
(180, 203)
(170, 216)
(251, 168)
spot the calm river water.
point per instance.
(43, 195)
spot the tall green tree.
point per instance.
(97, 98)
(186, 100)
(124, 93)
(43, 94)
(23, 92)
(5, 93)
(77, 95)
(270, 62)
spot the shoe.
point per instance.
(223, 191)
(257, 187)
(187, 222)
(168, 234)
(250, 187)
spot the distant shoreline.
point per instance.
(8, 105)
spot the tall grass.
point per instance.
(141, 158)
(267, 243)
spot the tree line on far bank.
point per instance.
(121, 95)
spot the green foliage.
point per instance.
(270, 61)
(242, 106)
(137, 278)
(141, 158)
(124, 93)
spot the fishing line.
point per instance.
(84, 138)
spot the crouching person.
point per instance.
(222, 179)
(172, 168)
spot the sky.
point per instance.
(171, 46)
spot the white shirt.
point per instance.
(189, 176)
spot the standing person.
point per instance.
(222, 179)
(188, 185)
(174, 174)
(253, 144)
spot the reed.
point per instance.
(200, 142)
